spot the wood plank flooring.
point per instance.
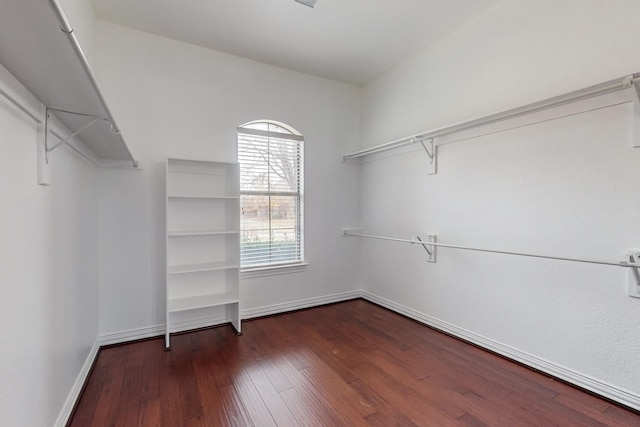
(346, 364)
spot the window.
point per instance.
(271, 189)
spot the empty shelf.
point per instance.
(201, 301)
(187, 233)
(200, 267)
(185, 196)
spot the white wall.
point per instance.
(173, 99)
(48, 272)
(516, 53)
(562, 187)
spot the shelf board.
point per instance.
(179, 196)
(201, 167)
(189, 233)
(201, 267)
(201, 301)
(185, 172)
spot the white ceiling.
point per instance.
(353, 41)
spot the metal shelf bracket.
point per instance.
(634, 275)
(429, 247)
(635, 81)
(45, 146)
(431, 151)
(48, 149)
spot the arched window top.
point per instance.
(272, 126)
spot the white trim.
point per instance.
(76, 389)
(155, 331)
(159, 330)
(273, 270)
(601, 388)
(270, 134)
(290, 129)
(204, 322)
(131, 335)
(300, 304)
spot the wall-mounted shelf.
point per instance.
(426, 139)
(39, 48)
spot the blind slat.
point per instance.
(271, 195)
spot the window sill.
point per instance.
(273, 270)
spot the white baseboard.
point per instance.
(203, 322)
(158, 330)
(76, 389)
(586, 382)
(131, 335)
(297, 305)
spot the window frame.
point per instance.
(277, 267)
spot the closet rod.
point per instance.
(578, 95)
(20, 106)
(66, 28)
(468, 248)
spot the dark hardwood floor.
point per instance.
(346, 364)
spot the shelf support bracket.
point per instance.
(634, 275)
(428, 246)
(431, 151)
(634, 80)
(68, 138)
(43, 167)
(45, 146)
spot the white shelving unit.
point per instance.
(203, 239)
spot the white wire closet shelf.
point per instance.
(49, 62)
(614, 85)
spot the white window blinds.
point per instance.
(271, 188)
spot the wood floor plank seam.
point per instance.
(352, 363)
